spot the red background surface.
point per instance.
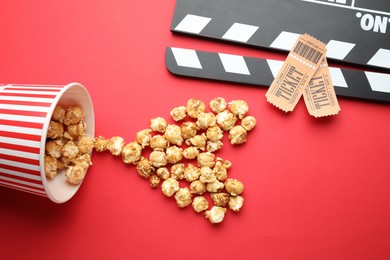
(314, 188)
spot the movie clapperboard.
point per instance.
(356, 33)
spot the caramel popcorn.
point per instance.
(194, 107)
(54, 148)
(214, 146)
(50, 166)
(75, 174)
(173, 134)
(239, 108)
(73, 132)
(174, 154)
(158, 142)
(205, 120)
(73, 115)
(144, 168)
(198, 141)
(215, 186)
(55, 130)
(191, 173)
(217, 105)
(143, 137)
(169, 187)
(158, 124)
(158, 158)
(189, 130)
(101, 143)
(220, 171)
(248, 122)
(183, 197)
(177, 171)
(216, 214)
(226, 120)
(84, 160)
(70, 150)
(131, 153)
(206, 159)
(214, 133)
(200, 204)
(197, 187)
(236, 203)
(58, 114)
(154, 181)
(207, 175)
(115, 145)
(237, 135)
(178, 113)
(220, 199)
(85, 144)
(163, 173)
(190, 152)
(234, 187)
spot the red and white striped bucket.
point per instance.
(25, 113)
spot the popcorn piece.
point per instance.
(143, 137)
(198, 141)
(183, 197)
(248, 122)
(73, 115)
(215, 186)
(206, 159)
(163, 173)
(131, 153)
(158, 124)
(225, 163)
(154, 181)
(207, 175)
(194, 107)
(85, 144)
(60, 164)
(236, 203)
(178, 113)
(84, 160)
(205, 120)
(189, 130)
(115, 145)
(191, 173)
(213, 146)
(158, 158)
(58, 114)
(101, 143)
(75, 174)
(50, 166)
(214, 133)
(54, 148)
(70, 150)
(190, 152)
(75, 131)
(174, 154)
(200, 204)
(55, 130)
(144, 168)
(177, 171)
(226, 120)
(239, 108)
(220, 171)
(220, 199)
(234, 187)
(169, 187)
(173, 134)
(237, 135)
(216, 214)
(158, 142)
(197, 187)
(217, 105)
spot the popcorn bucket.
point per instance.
(25, 114)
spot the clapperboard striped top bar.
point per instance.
(364, 85)
(356, 32)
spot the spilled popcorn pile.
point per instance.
(181, 156)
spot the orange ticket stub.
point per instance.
(320, 97)
(298, 69)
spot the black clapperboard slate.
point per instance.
(355, 32)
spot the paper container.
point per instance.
(25, 113)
